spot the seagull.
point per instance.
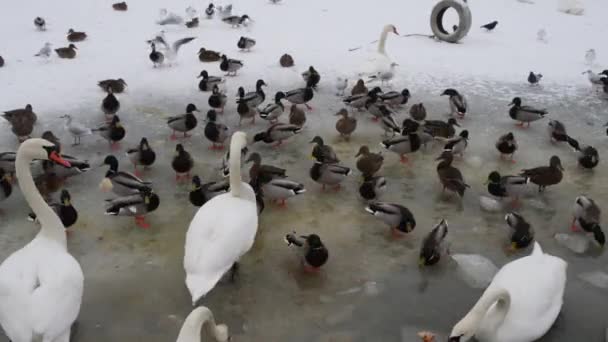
(595, 79)
(385, 75)
(191, 12)
(590, 56)
(490, 26)
(170, 50)
(533, 78)
(341, 84)
(76, 129)
(169, 18)
(45, 52)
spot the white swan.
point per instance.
(222, 230)
(379, 61)
(41, 284)
(382, 42)
(521, 303)
(191, 329)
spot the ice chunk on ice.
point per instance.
(490, 204)
(341, 316)
(574, 7)
(371, 288)
(476, 270)
(576, 243)
(350, 291)
(597, 279)
(475, 162)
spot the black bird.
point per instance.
(40, 23)
(112, 132)
(64, 209)
(141, 155)
(587, 155)
(523, 234)
(311, 77)
(433, 246)
(201, 193)
(6, 188)
(216, 132)
(110, 104)
(315, 255)
(182, 163)
(533, 78)
(490, 26)
(155, 56)
(507, 145)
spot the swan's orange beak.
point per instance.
(57, 159)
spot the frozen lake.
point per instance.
(372, 288)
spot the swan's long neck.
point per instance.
(503, 301)
(236, 184)
(191, 329)
(382, 41)
(51, 226)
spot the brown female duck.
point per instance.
(345, 125)
(22, 121)
(207, 56)
(359, 88)
(117, 85)
(297, 116)
(120, 6)
(286, 61)
(368, 163)
(67, 52)
(449, 176)
(76, 36)
(544, 176)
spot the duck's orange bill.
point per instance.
(57, 159)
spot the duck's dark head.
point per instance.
(240, 92)
(313, 240)
(509, 136)
(255, 158)
(70, 31)
(405, 92)
(65, 198)
(342, 112)
(204, 74)
(515, 102)
(211, 6)
(4, 177)
(211, 115)
(259, 84)
(111, 161)
(556, 162)
(513, 219)
(453, 122)
(115, 121)
(375, 91)
(494, 177)
(363, 150)
(28, 107)
(409, 126)
(450, 92)
(121, 81)
(464, 134)
(179, 149)
(191, 108)
(143, 144)
(224, 58)
(72, 46)
(196, 182)
(317, 140)
(260, 136)
(244, 17)
(279, 96)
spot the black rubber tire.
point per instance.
(464, 24)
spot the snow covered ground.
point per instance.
(134, 279)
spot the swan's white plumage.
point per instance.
(222, 230)
(535, 284)
(41, 285)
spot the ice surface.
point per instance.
(475, 270)
(597, 279)
(490, 204)
(340, 316)
(577, 243)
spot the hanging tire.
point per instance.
(464, 20)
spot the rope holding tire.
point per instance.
(464, 24)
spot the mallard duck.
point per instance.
(557, 131)
(77, 166)
(329, 174)
(76, 36)
(253, 98)
(360, 100)
(297, 116)
(67, 52)
(587, 215)
(216, 132)
(192, 23)
(525, 113)
(6, 188)
(245, 111)
(117, 85)
(345, 125)
(315, 252)
(403, 144)
(311, 77)
(156, 57)
(277, 133)
(261, 174)
(458, 103)
(76, 129)
(64, 209)
(141, 155)
(449, 176)
(273, 111)
(1, 62)
(137, 205)
(359, 88)
(217, 99)
(208, 82)
(208, 56)
(230, 66)
(507, 186)
(202, 193)
(49, 136)
(235, 20)
(120, 6)
(113, 132)
(438, 128)
(286, 61)
(533, 78)
(184, 122)
(399, 218)
(110, 104)
(388, 122)
(587, 155)
(394, 98)
(458, 144)
(7, 162)
(410, 126)
(245, 43)
(372, 105)
(40, 23)
(418, 112)
(22, 121)
(121, 182)
(372, 188)
(279, 190)
(506, 145)
(323, 153)
(300, 96)
(544, 176)
(210, 10)
(523, 235)
(433, 245)
(368, 163)
(182, 163)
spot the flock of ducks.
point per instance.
(217, 238)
